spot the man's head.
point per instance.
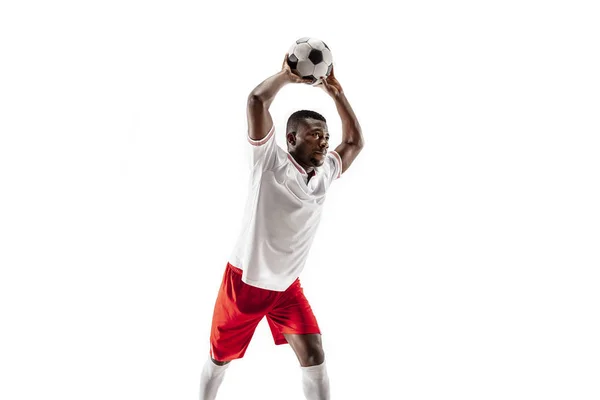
(307, 138)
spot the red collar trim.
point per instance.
(299, 167)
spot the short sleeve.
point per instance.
(263, 152)
(333, 166)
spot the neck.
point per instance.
(307, 168)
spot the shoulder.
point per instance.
(334, 164)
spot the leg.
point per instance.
(219, 363)
(211, 378)
(238, 310)
(308, 349)
(293, 321)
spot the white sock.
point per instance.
(315, 382)
(211, 378)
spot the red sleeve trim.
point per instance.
(264, 140)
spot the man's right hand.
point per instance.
(290, 76)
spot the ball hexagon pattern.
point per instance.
(310, 58)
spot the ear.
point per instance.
(291, 138)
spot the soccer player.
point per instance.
(283, 209)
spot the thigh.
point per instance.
(292, 314)
(237, 312)
(308, 348)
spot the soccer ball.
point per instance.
(310, 58)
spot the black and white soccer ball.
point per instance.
(310, 58)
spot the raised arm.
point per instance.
(260, 99)
(352, 139)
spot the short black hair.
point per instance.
(297, 117)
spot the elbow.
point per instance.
(359, 145)
(257, 104)
(356, 139)
(360, 142)
(255, 100)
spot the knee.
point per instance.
(313, 356)
(219, 363)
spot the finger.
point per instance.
(285, 61)
(331, 72)
(300, 79)
(323, 84)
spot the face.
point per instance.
(310, 144)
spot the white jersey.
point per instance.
(281, 216)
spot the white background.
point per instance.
(457, 259)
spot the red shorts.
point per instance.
(240, 307)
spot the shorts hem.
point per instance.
(226, 359)
(284, 341)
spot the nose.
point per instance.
(324, 143)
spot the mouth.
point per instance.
(321, 153)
